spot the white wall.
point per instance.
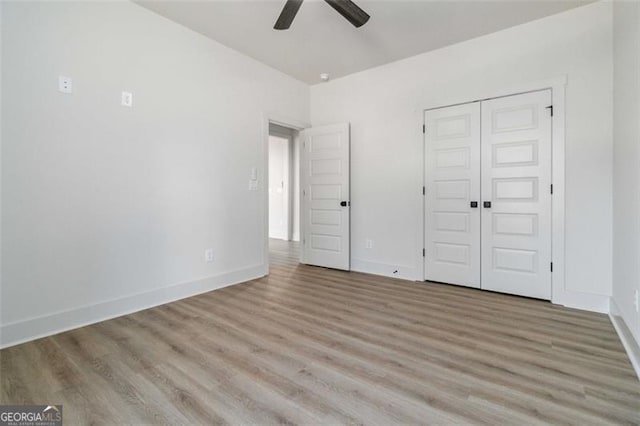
(109, 209)
(626, 163)
(384, 106)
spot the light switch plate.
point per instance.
(208, 255)
(127, 99)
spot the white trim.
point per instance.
(559, 294)
(280, 134)
(483, 94)
(264, 148)
(629, 343)
(296, 148)
(367, 267)
(584, 301)
(558, 281)
(420, 274)
(34, 328)
(280, 120)
(290, 188)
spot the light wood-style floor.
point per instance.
(309, 345)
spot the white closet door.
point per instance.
(325, 196)
(516, 180)
(452, 181)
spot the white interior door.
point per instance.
(278, 187)
(452, 183)
(516, 183)
(325, 203)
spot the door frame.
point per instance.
(557, 85)
(263, 175)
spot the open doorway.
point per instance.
(284, 183)
(306, 198)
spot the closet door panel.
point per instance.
(452, 182)
(516, 198)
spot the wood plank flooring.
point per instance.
(309, 345)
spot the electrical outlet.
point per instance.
(208, 255)
(368, 244)
(636, 302)
(65, 84)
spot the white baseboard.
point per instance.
(393, 271)
(630, 344)
(584, 301)
(34, 328)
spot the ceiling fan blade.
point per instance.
(350, 11)
(288, 13)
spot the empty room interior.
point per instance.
(320, 212)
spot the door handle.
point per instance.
(487, 204)
(345, 203)
(474, 204)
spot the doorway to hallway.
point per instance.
(283, 189)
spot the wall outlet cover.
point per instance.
(65, 84)
(208, 255)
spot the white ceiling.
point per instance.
(320, 40)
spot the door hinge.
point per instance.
(304, 193)
(552, 188)
(550, 108)
(424, 190)
(424, 128)
(424, 252)
(551, 267)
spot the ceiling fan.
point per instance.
(348, 9)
